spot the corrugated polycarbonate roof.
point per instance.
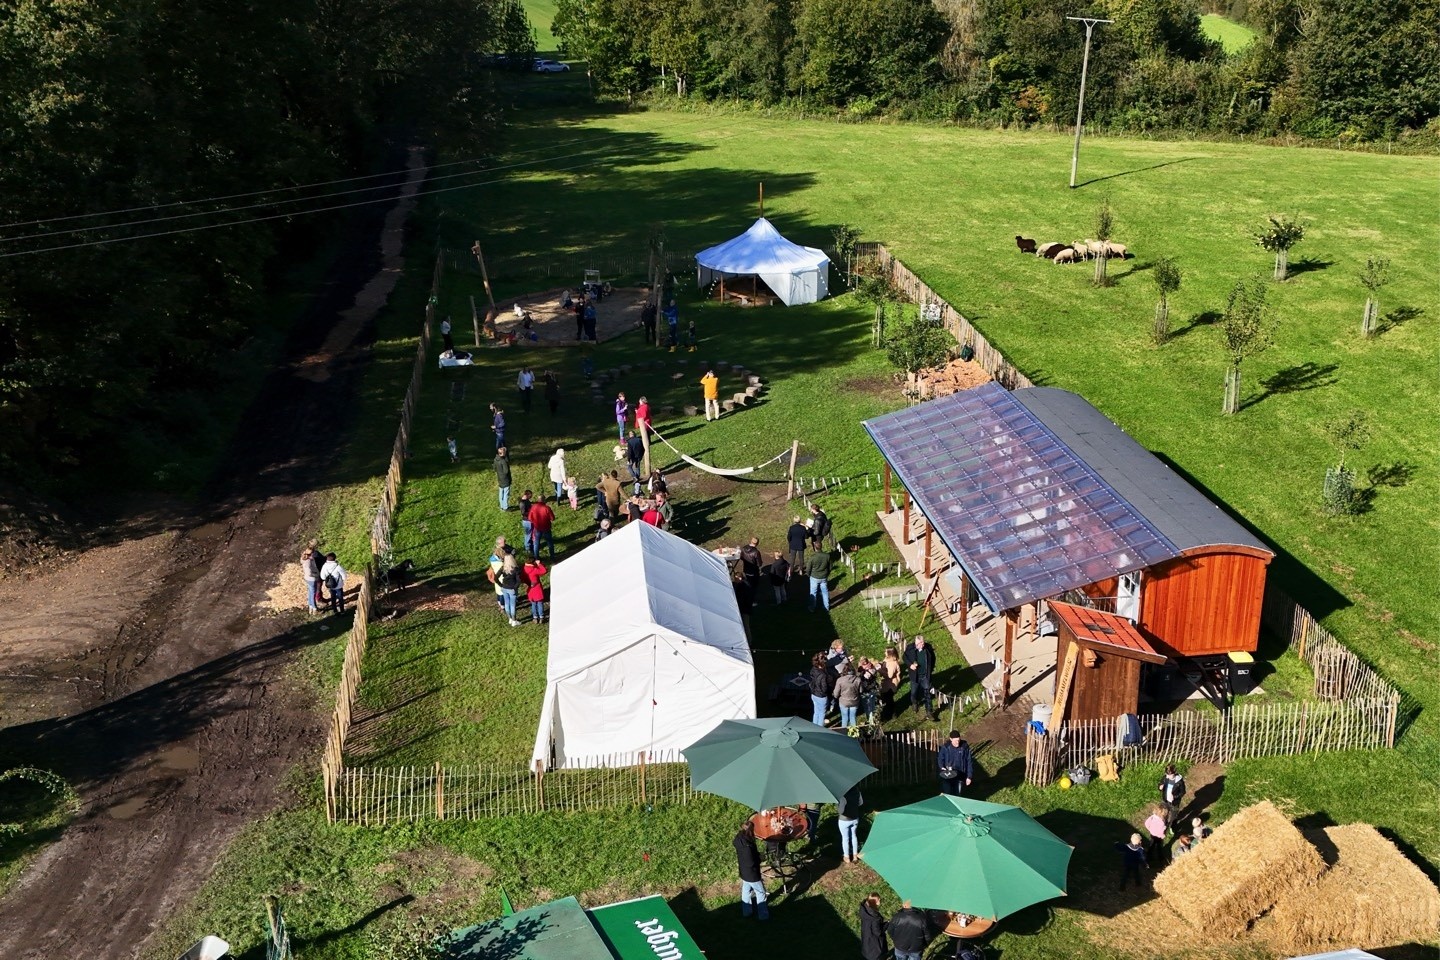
(1024, 516)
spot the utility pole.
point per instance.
(1080, 110)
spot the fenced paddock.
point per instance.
(376, 796)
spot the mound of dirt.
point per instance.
(32, 533)
(955, 376)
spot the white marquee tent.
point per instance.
(647, 651)
(797, 274)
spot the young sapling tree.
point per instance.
(1375, 275)
(1348, 433)
(1104, 229)
(1245, 331)
(1166, 275)
(1282, 234)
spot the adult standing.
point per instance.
(497, 561)
(502, 476)
(920, 666)
(333, 576)
(552, 392)
(847, 694)
(672, 320)
(710, 384)
(445, 337)
(956, 764)
(1172, 792)
(751, 560)
(542, 527)
(745, 601)
(558, 471)
(889, 683)
(525, 383)
(874, 945)
(752, 888)
(847, 810)
(869, 673)
(822, 684)
(310, 572)
(642, 415)
(818, 569)
(527, 503)
(795, 539)
(622, 413)
(497, 424)
(508, 580)
(610, 490)
(819, 527)
(634, 455)
(779, 576)
(591, 320)
(909, 932)
(647, 320)
(579, 307)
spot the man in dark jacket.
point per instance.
(909, 932)
(751, 886)
(751, 560)
(795, 540)
(634, 454)
(920, 668)
(956, 765)
(872, 929)
(1132, 861)
(502, 476)
(820, 528)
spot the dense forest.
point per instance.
(109, 352)
(1357, 70)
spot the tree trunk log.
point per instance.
(1282, 263)
(1162, 322)
(1372, 311)
(1100, 279)
(1232, 390)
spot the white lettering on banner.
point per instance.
(660, 939)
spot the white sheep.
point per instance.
(1119, 250)
(1068, 255)
(1082, 248)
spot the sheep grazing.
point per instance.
(1119, 251)
(1068, 255)
(1082, 249)
(1026, 246)
(1048, 250)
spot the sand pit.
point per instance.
(555, 326)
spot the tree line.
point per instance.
(110, 353)
(1359, 70)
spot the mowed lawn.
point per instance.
(950, 202)
(1233, 36)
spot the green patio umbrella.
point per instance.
(969, 856)
(776, 762)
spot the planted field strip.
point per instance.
(375, 796)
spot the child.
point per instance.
(535, 591)
(690, 337)
(572, 492)
(454, 449)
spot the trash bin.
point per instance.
(1242, 673)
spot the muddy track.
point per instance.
(145, 674)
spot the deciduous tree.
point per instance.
(1245, 331)
(1281, 234)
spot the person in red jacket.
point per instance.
(642, 416)
(542, 519)
(535, 589)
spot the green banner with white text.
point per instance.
(644, 929)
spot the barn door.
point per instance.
(1127, 596)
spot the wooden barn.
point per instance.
(1037, 496)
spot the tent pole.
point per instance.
(762, 199)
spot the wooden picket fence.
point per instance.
(918, 291)
(332, 761)
(1339, 673)
(376, 796)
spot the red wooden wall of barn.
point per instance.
(1204, 603)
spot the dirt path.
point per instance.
(146, 673)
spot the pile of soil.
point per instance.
(955, 376)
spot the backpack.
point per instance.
(331, 582)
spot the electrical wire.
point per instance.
(294, 213)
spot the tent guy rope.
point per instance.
(718, 471)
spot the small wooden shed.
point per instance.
(1098, 656)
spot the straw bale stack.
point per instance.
(1372, 896)
(1250, 862)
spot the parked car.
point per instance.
(551, 66)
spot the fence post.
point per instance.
(642, 777)
(439, 791)
(540, 784)
(1390, 725)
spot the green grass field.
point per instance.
(542, 14)
(459, 685)
(1233, 36)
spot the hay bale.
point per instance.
(1372, 896)
(1250, 862)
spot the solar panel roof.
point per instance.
(1021, 512)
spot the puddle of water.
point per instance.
(279, 519)
(210, 531)
(237, 626)
(180, 758)
(128, 808)
(193, 572)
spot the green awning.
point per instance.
(644, 929)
